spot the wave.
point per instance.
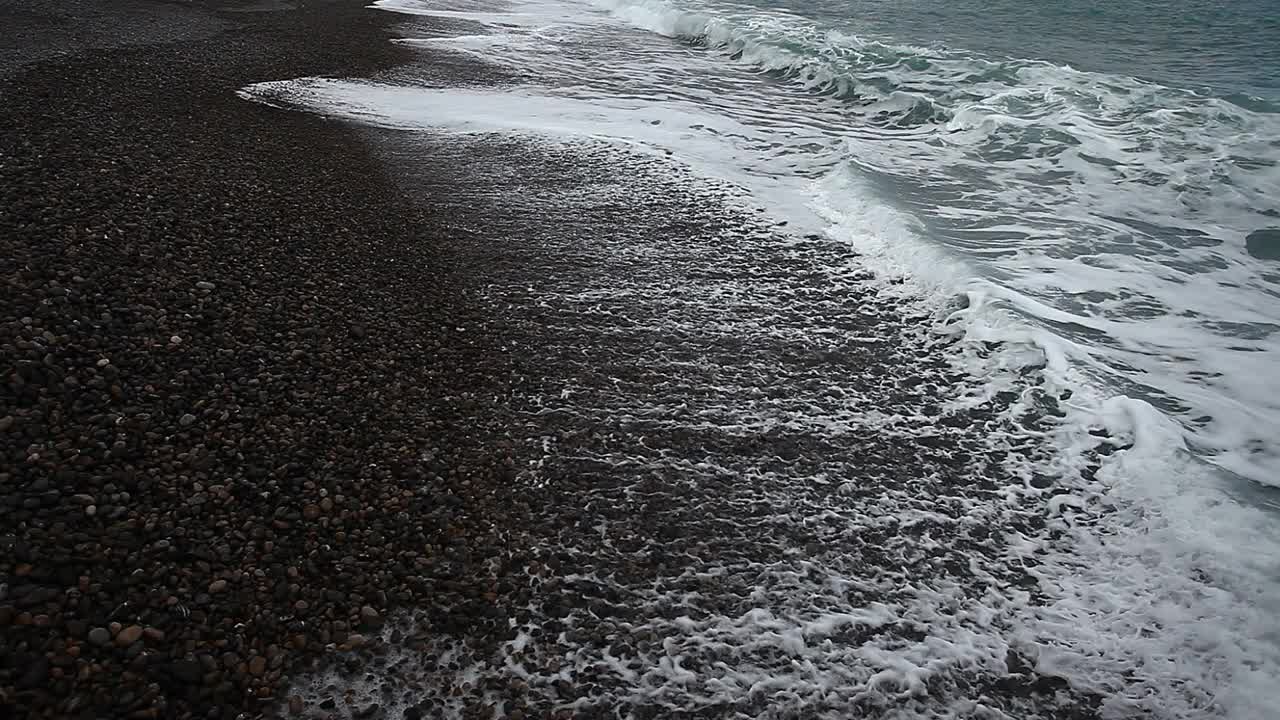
(1108, 209)
(838, 61)
(827, 62)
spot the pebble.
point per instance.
(119, 342)
(129, 635)
(187, 671)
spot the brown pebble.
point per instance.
(129, 635)
(295, 705)
(257, 665)
(217, 586)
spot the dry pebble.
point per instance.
(129, 636)
(213, 319)
(257, 666)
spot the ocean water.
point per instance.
(1083, 193)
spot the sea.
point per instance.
(1083, 191)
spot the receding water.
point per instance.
(1080, 193)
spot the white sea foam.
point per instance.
(1119, 205)
(1086, 223)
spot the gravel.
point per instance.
(305, 427)
(225, 348)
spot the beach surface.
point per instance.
(311, 408)
(227, 347)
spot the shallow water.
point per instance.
(1058, 198)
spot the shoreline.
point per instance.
(694, 381)
(226, 344)
(569, 424)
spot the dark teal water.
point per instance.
(1231, 48)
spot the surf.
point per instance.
(1068, 244)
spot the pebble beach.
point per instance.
(522, 359)
(223, 361)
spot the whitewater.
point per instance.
(1089, 252)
